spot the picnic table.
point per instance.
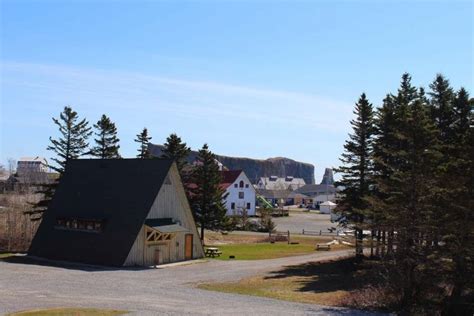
(212, 252)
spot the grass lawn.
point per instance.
(5, 255)
(333, 283)
(70, 312)
(267, 250)
(258, 251)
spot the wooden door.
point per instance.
(157, 257)
(188, 247)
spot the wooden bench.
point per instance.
(323, 247)
(279, 236)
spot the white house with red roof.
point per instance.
(241, 193)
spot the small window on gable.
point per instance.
(235, 185)
(241, 184)
(84, 225)
(247, 185)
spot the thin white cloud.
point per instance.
(185, 98)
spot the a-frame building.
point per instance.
(119, 212)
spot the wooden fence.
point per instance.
(320, 233)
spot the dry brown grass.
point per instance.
(215, 238)
(333, 283)
(16, 229)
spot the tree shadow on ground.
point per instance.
(346, 275)
(31, 260)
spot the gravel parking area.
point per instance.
(297, 221)
(163, 291)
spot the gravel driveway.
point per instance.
(297, 221)
(165, 291)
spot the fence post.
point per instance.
(303, 231)
(288, 237)
(320, 232)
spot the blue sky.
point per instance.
(254, 79)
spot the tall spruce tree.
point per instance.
(413, 188)
(385, 143)
(176, 149)
(423, 189)
(459, 216)
(442, 106)
(107, 142)
(71, 144)
(143, 139)
(356, 169)
(205, 194)
(406, 152)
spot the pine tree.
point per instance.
(143, 139)
(423, 195)
(385, 143)
(71, 144)
(206, 196)
(176, 149)
(459, 216)
(413, 188)
(356, 169)
(442, 106)
(107, 146)
(406, 152)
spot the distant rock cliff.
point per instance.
(328, 177)
(255, 168)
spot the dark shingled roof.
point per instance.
(229, 177)
(273, 194)
(316, 189)
(120, 191)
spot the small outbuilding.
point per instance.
(119, 212)
(327, 207)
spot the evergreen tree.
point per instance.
(71, 144)
(458, 216)
(385, 144)
(177, 150)
(143, 139)
(205, 194)
(412, 188)
(356, 169)
(423, 195)
(442, 106)
(107, 146)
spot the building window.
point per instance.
(241, 195)
(241, 184)
(235, 185)
(84, 225)
(232, 206)
(247, 185)
(248, 206)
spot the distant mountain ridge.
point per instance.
(256, 168)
